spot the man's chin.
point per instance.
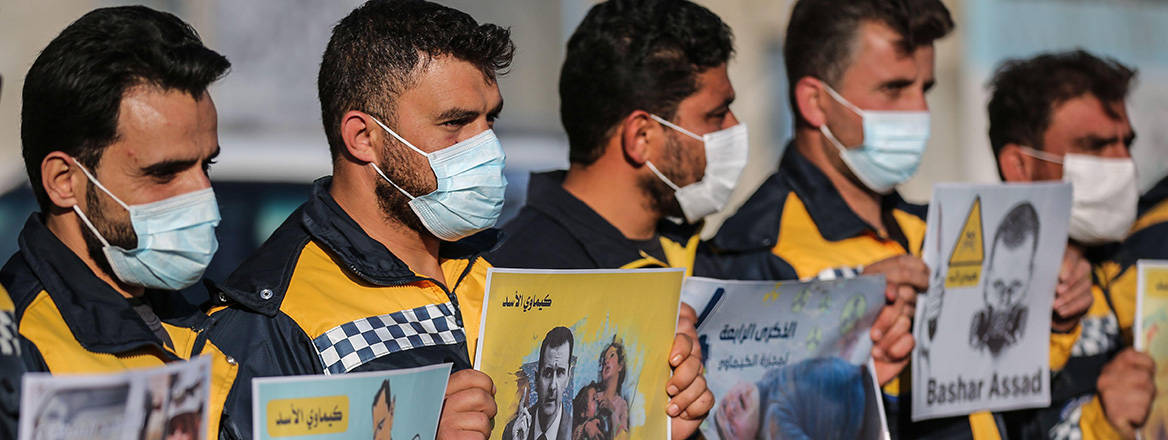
(547, 409)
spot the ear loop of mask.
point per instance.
(650, 164)
(1042, 155)
(85, 218)
(408, 144)
(675, 126)
(842, 101)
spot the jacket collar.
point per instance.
(334, 230)
(757, 224)
(100, 319)
(604, 243)
(337, 232)
(1158, 193)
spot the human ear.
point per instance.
(809, 95)
(355, 132)
(637, 133)
(1015, 165)
(61, 179)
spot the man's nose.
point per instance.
(731, 120)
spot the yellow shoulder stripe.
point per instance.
(803, 247)
(44, 326)
(6, 304)
(1158, 214)
(322, 296)
(984, 427)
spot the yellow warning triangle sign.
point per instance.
(969, 251)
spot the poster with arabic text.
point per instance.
(579, 354)
(400, 404)
(789, 359)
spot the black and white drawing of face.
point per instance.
(1012, 258)
(552, 378)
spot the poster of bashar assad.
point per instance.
(983, 328)
(579, 354)
(788, 359)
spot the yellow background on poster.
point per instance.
(969, 253)
(1152, 337)
(639, 307)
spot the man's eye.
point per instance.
(456, 123)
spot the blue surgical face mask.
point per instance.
(894, 142)
(471, 185)
(176, 239)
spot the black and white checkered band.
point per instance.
(1099, 335)
(8, 343)
(355, 343)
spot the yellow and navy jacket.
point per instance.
(556, 230)
(1148, 240)
(798, 226)
(69, 321)
(1107, 328)
(321, 296)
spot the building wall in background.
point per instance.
(268, 103)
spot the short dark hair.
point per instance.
(74, 89)
(376, 51)
(821, 34)
(556, 337)
(634, 55)
(1024, 92)
(383, 392)
(1020, 223)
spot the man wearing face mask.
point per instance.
(858, 74)
(653, 149)
(664, 147)
(380, 268)
(1062, 116)
(118, 132)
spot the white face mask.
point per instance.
(894, 142)
(726, 152)
(1105, 195)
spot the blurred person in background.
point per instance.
(118, 133)
(1063, 116)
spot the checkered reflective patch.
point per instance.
(9, 345)
(838, 273)
(1068, 427)
(355, 343)
(1098, 336)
